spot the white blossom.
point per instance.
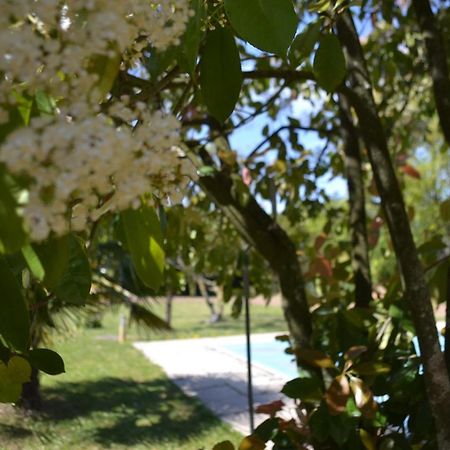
(85, 159)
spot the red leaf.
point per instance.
(270, 408)
(320, 241)
(322, 267)
(411, 171)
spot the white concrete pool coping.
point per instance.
(205, 369)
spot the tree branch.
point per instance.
(437, 62)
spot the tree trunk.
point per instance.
(31, 393)
(169, 304)
(31, 398)
(215, 316)
(415, 287)
(270, 240)
(437, 62)
(357, 213)
(447, 324)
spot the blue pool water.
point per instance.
(267, 354)
(271, 355)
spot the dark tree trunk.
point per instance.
(357, 213)
(270, 240)
(31, 393)
(447, 324)
(415, 287)
(437, 62)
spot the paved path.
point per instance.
(203, 368)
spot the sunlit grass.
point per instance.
(112, 397)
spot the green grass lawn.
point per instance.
(112, 397)
(190, 320)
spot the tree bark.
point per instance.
(357, 213)
(437, 62)
(31, 398)
(271, 241)
(415, 287)
(447, 324)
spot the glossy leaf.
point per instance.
(54, 255)
(315, 358)
(329, 63)
(33, 262)
(337, 395)
(75, 283)
(14, 320)
(269, 25)
(144, 240)
(304, 389)
(355, 352)
(266, 429)
(220, 73)
(47, 360)
(363, 397)
(193, 34)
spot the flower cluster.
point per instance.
(92, 152)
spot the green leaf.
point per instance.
(305, 389)
(161, 60)
(266, 429)
(33, 262)
(269, 25)
(12, 376)
(224, 445)
(54, 255)
(12, 235)
(19, 369)
(14, 321)
(304, 43)
(220, 73)
(44, 103)
(144, 240)
(329, 63)
(75, 283)
(371, 368)
(314, 358)
(319, 423)
(9, 390)
(193, 34)
(47, 360)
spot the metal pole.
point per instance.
(246, 281)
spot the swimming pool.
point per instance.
(268, 354)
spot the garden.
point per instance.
(224, 224)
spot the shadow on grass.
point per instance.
(127, 412)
